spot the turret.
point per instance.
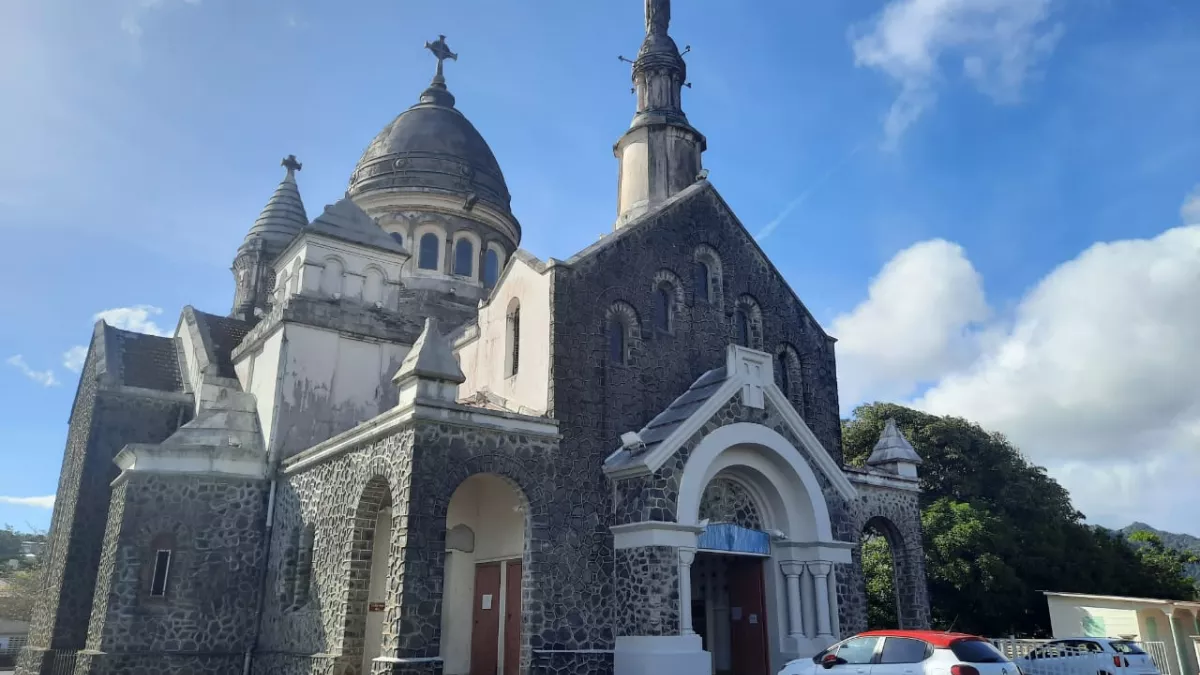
(280, 221)
(894, 454)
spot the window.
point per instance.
(162, 565)
(491, 268)
(700, 280)
(782, 377)
(464, 254)
(976, 651)
(903, 650)
(742, 327)
(662, 308)
(399, 237)
(514, 340)
(427, 258)
(616, 340)
(858, 650)
(1126, 647)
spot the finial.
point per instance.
(442, 52)
(291, 165)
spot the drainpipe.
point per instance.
(273, 467)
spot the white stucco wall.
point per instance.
(1067, 617)
(484, 359)
(321, 267)
(259, 375)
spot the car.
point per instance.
(1088, 656)
(906, 652)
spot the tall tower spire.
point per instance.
(660, 153)
(280, 221)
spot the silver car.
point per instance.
(1088, 656)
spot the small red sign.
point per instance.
(375, 607)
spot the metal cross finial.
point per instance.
(290, 164)
(442, 52)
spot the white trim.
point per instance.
(889, 481)
(816, 451)
(419, 232)
(476, 255)
(808, 551)
(654, 533)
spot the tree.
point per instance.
(881, 587)
(998, 530)
(20, 593)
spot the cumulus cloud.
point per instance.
(74, 357)
(1093, 375)
(46, 502)
(1190, 210)
(919, 322)
(138, 318)
(997, 42)
(43, 377)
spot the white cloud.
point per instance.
(1190, 210)
(999, 42)
(74, 357)
(43, 377)
(46, 502)
(137, 318)
(916, 325)
(1093, 376)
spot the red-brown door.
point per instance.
(748, 617)
(485, 625)
(512, 618)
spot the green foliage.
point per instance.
(999, 531)
(21, 590)
(1183, 543)
(10, 543)
(881, 589)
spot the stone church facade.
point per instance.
(413, 447)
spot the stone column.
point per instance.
(686, 556)
(808, 609)
(792, 570)
(820, 572)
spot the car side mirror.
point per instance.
(831, 660)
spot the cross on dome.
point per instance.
(441, 51)
(291, 164)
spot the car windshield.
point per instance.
(976, 651)
(1126, 647)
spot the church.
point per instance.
(413, 447)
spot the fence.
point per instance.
(10, 648)
(1015, 648)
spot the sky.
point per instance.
(994, 205)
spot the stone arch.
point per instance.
(667, 287)
(707, 275)
(375, 495)
(728, 499)
(332, 276)
(622, 334)
(908, 595)
(747, 319)
(374, 280)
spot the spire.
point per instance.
(893, 452)
(276, 226)
(437, 93)
(660, 154)
(429, 371)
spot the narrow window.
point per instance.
(616, 341)
(743, 328)
(399, 237)
(785, 383)
(428, 257)
(700, 279)
(491, 268)
(514, 327)
(662, 309)
(464, 254)
(162, 565)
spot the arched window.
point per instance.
(742, 327)
(783, 377)
(662, 308)
(399, 237)
(464, 258)
(514, 339)
(616, 340)
(491, 268)
(700, 275)
(427, 258)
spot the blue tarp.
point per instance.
(735, 539)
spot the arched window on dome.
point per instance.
(427, 257)
(464, 258)
(491, 268)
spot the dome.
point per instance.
(432, 147)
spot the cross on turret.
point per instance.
(291, 164)
(442, 52)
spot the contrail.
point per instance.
(804, 195)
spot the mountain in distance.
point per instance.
(1173, 540)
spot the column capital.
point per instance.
(686, 555)
(819, 568)
(792, 568)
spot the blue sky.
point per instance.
(977, 197)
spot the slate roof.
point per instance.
(431, 358)
(147, 361)
(226, 334)
(666, 422)
(281, 219)
(346, 221)
(892, 447)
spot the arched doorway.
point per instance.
(368, 598)
(486, 523)
(878, 558)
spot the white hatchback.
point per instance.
(906, 652)
(1088, 656)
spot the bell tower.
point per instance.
(660, 153)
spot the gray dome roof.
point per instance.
(282, 218)
(432, 147)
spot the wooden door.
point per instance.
(512, 618)
(748, 617)
(485, 623)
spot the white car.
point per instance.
(906, 652)
(1088, 656)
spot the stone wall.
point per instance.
(213, 526)
(896, 514)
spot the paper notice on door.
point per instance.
(487, 601)
(735, 613)
(753, 618)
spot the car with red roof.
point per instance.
(906, 652)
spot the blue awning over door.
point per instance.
(734, 539)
